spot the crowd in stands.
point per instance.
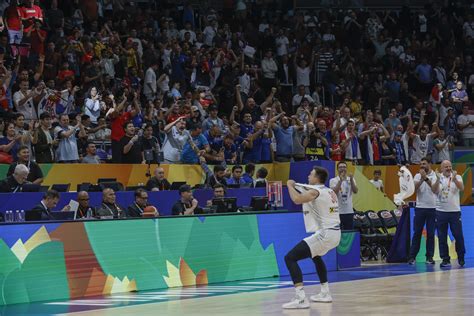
(92, 81)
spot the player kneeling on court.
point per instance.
(321, 217)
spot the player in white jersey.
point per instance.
(321, 217)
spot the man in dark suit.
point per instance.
(14, 183)
(44, 208)
(43, 142)
(138, 207)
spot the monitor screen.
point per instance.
(225, 205)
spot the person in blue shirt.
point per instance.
(284, 137)
(236, 177)
(196, 145)
(216, 143)
(249, 172)
(231, 150)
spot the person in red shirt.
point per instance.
(65, 73)
(30, 13)
(13, 23)
(118, 118)
(37, 37)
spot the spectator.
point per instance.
(236, 178)
(421, 142)
(176, 138)
(466, 127)
(150, 87)
(151, 145)
(443, 146)
(196, 145)
(84, 210)
(10, 143)
(109, 209)
(132, 150)
(187, 204)
(67, 151)
(376, 181)
(14, 183)
(213, 120)
(43, 142)
(91, 156)
(35, 174)
(136, 209)
(158, 182)
(93, 105)
(249, 172)
(261, 177)
(216, 177)
(459, 96)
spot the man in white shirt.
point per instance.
(422, 141)
(344, 186)
(320, 210)
(301, 94)
(269, 70)
(425, 181)
(376, 181)
(23, 100)
(281, 43)
(187, 29)
(466, 126)
(149, 90)
(448, 211)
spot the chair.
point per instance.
(367, 237)
(116, 186)
(134, 187)
(397, 213)
(61, 187)
(383, 239)
(100, 180)
(389, 221)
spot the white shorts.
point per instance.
(322, 241)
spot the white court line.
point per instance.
(362, 294)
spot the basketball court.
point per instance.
(370, 290)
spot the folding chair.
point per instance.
(382, 237)
(367, 237)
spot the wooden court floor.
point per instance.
(449, 292)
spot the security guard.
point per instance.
(448, 211)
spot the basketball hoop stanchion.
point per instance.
(274, 193)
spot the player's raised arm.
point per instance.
(300, 198)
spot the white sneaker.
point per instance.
(297, 303)
(321, 298)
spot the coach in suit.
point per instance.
(141, 201)
(46, 205)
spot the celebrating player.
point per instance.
(321, 217)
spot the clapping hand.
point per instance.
(290, 183)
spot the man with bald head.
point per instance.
(109, 209)
(448, 211)
(158, 182)
(14, 183)
(84, 211)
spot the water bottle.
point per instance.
(8, 216)
(22, 215)
(89, 213)
(17, 217)
(379, 254)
